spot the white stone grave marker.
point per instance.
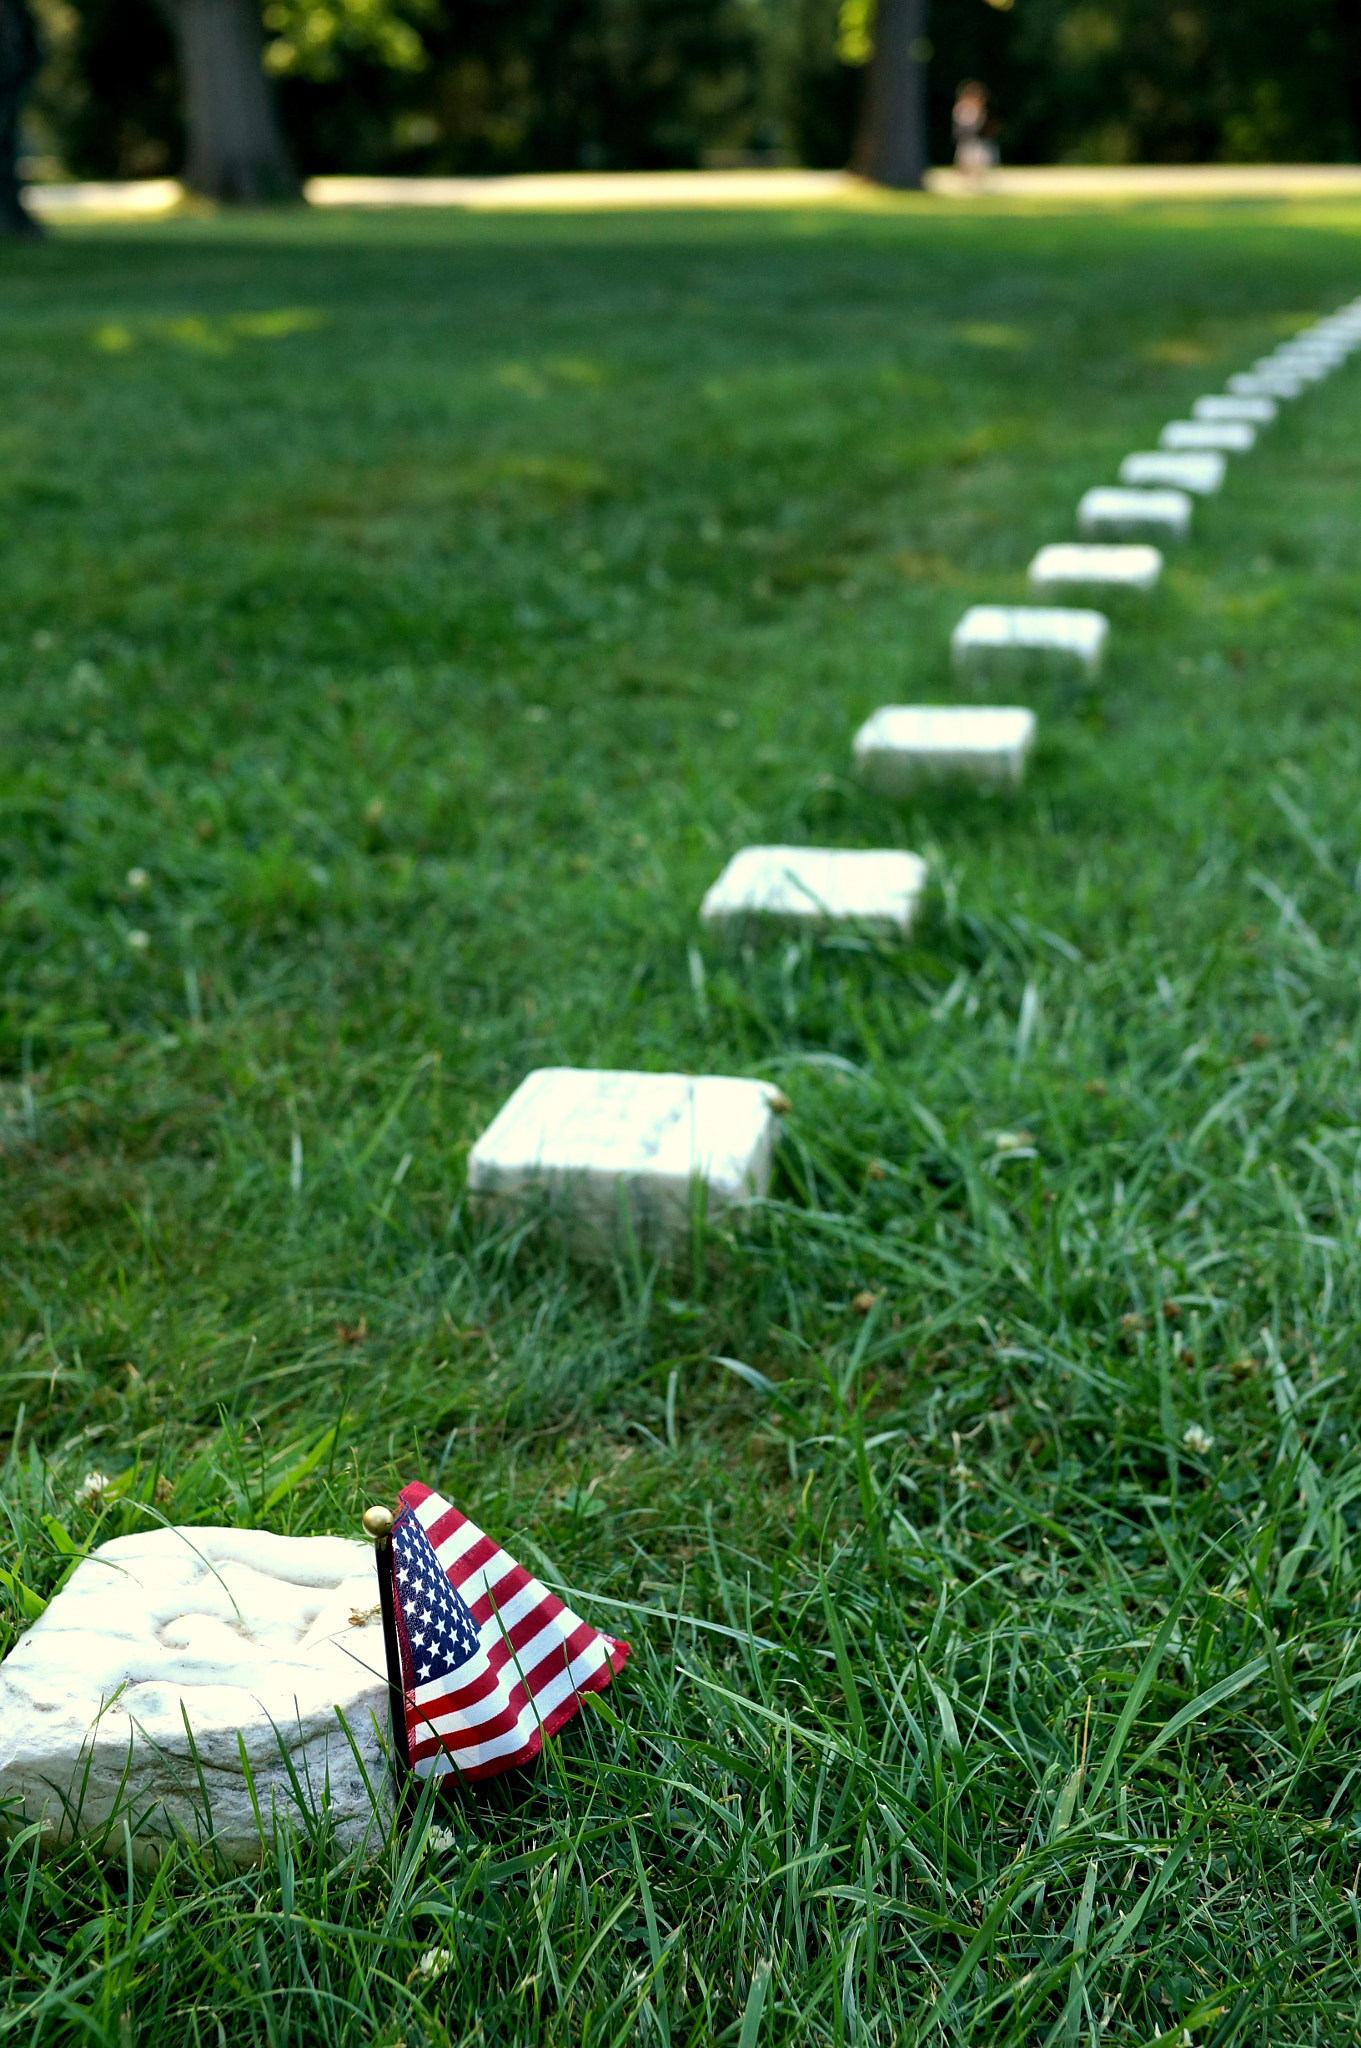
(1076, 565)
(1012, 636)
(237, 1630)
(1254, 384)
(1114, 513)
(1201, 474)
(817, 886)
(1258, 412)
(1310, 369)
(1301, 368)
(1225, 437)
(902, 746)
(607, 1149)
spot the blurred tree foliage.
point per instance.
(499, 85)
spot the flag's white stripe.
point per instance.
(430, 1510)
(530, 1720)
(458, 1544)
(551, 1636)
(487, 1577)
(498, 1700)
(465, 1674)
(497, 1704)
(514, 1610)
(439, 1764)
(460, 1541)
(470, 1753)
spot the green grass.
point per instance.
(430, 642)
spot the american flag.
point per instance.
(491, 1660)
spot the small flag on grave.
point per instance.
(483, 1661)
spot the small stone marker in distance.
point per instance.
(903, 746)
(1114, 513)
(1009, 637)
(1312, 348)
(620, 1155)
(1320, 357)
(1202, 475)
(1078, 565)
(1304, 369)
(816, 886)
(1253, 384)
(1224, 437)
(1216, 405)
(239, 1634)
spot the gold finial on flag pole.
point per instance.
(378, 1523)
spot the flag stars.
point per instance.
(441, 1632)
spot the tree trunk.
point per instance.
(1347, 60)
(891, 139)
(18, 62)
(236, 146)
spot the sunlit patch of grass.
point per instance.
(993, 334)
(1184, 353)
(207, 336)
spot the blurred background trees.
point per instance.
(504, 85)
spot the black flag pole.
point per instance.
(378, 1525)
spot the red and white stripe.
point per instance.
(536, 1658)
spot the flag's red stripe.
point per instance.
(426, 1739)
(594, 1682)
(618, 1655)
(488, 1679)
(506, 1578)
(519, 1697)
(462, 1568)
(557, 1659)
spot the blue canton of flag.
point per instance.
(433, 1616)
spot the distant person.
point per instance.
(975, 150)
(19, 56)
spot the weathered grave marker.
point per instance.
(1303, 369)
(1258, 384)
(1322, 348)
(903, 746)
(618, 1155)
(239, 1633)
(1224, 437)
(1258, 412)
(1113, 513)
(1201, 474)
(816, 887)
(1002, 637)
(1077, 565)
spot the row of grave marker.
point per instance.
(619, 1156)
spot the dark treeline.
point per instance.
(551, 84)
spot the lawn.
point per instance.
(403, 619)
